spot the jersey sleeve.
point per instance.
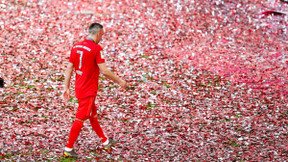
(99, 56)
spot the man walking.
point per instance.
(88, 61)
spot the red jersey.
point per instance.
(85, 56)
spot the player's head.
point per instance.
(96, 31)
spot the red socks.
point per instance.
(97, 128)
(74, 133)
(76, 129)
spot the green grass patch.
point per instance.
(238, 116)
(31, 86)
(150, 106)
(125, 120)
(100, 86)
(113, 87)
(284, 115)
(73, 100)
(140, 81)
(45, 152)
(145, 75)
(226, 120)
(6, 156)
(89, 158)
(166, 85)
(28, 122)
(45, 117)
(15, 109)
(131, 88)
(233, 143)
(96, 153)
(25, 153)
(144, 56)
(167, 101)
(60, 79)
(63, 159)
(49, 89)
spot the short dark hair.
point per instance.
(95, 28)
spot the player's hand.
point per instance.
(123, 84)
(66, 94)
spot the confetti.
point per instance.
(208, 80)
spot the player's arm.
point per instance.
(68, 74)
(109, 74)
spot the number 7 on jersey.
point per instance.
(81, 56)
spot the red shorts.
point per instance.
(87, 108)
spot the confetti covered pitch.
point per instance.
(209, 79)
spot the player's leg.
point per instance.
(74, 132)
(82, 114)
(95, 124)
(107, 143)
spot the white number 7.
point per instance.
(80, 61)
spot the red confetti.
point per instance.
(208, 80)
